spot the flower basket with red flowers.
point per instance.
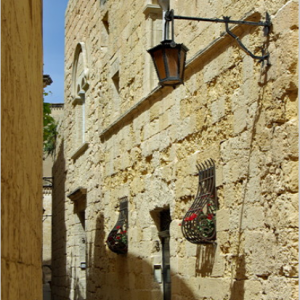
(199, 223)
(117, 239)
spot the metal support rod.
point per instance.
(223, 21)
(169, 17)
(260, 58)
(165, 33)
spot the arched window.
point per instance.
(80, 85)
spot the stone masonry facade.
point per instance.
(125, 136)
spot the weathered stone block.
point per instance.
(204, 287)
(260, 256)
(217, 261)
(284, 212)
(236, 169)
(253, 217)
(137, 185)
(191, 249)
(290, 170)
(223, 219)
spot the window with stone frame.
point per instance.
(80, 86)
(105, 32)
(79, 199)
(153, 27)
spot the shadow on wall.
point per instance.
(129, 277)
(205, 258)
(237, 289)
(124, 277)
(118, 277)
(60, 285)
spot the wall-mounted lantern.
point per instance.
(169, 61)
(169, 58)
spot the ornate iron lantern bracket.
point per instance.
(169, 17)
(117, 240)
(199, 223)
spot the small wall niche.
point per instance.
(105, 22)
(116, 81)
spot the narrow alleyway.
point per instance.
(46, 291)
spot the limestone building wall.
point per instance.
(126, 137)
(21, 149)
(48, 160)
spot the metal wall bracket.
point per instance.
(169, 17)
(267, 25)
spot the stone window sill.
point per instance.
(80, 151)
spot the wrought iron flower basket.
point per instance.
(117, 239)
(199, 223)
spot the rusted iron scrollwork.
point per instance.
(117, 239)
(199, 223)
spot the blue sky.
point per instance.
(53, 42)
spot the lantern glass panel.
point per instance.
(169, 60)
(182, 61)
(172, 61)
(159, 63)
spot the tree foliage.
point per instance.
(50, 129)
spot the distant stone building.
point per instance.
(57, 114)
(125, 173)
(21, 149)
